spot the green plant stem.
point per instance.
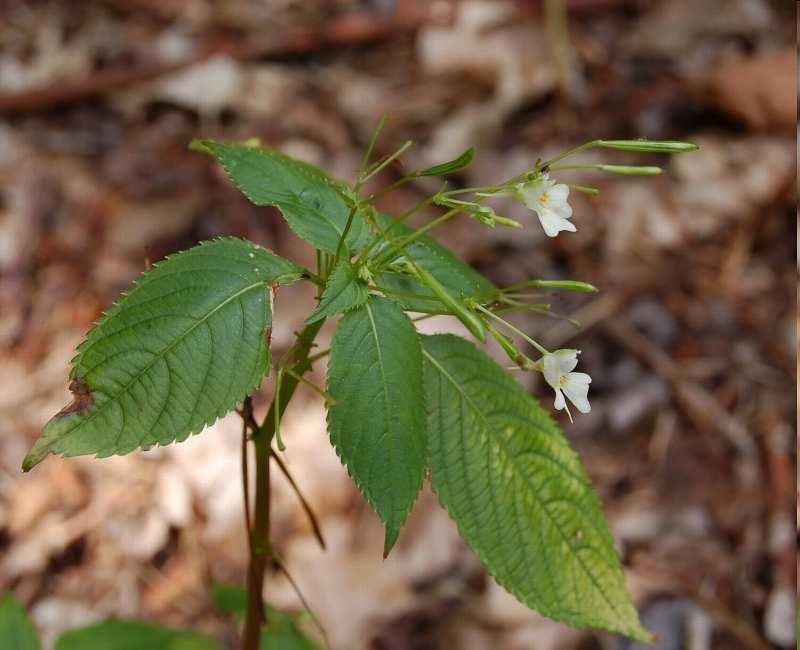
(319, 391)
(391, 188)
(323, 266)
(259, 553)
(357, 187)
(262, 439)
(514, 329)
(312, 517)
(378, 238)
(319, 355)
(368, 153)
(593, 191)
(400, 245)
(561, 168)
(569, 152)
(405, 294)
(246, 482)
(488, 189)
(344, 234)
(386, 161)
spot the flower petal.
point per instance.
(559, 402)
(559, 193)
(529, 195)
(552, 371)
(567, 359)
(530, 192)
(580, 378)
(576, 388)
(563, 210)
(554, 224)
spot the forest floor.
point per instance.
(691, 341)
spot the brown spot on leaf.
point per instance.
(81, 398)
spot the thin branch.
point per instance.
(247, 417)
(386, 161)
(319, 391)
(261, 549)
(319, 355)
(312, 517)
(282, 567)
(368, 153)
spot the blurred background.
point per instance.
(690, 341)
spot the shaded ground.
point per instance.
(691, 342)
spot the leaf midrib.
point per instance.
(502, 445)
(379, 352)
(289, 196)
(326, 301)
(157, 356)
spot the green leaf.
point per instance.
(518, 492)
(177, 351)
(451, 166)
(458, 277)
(282, 631)
(133, 635)
(344, 291)
(230, 599)
(377, 423)
(310, 201)
(16, 630)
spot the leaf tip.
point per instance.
(389, 541)
(33, 458)
(450, 166)
(641, 633)
(200, 146)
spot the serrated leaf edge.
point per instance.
(324, 300)
(32, 460)
(641, 634)
(389, 542)
(317, 175)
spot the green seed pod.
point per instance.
(472, 322)
(566, 285)
(659, 146)
(630, 170)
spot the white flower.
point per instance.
(549, 201)
(557, 368)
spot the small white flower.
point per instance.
(549, 201)
(557, 368)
